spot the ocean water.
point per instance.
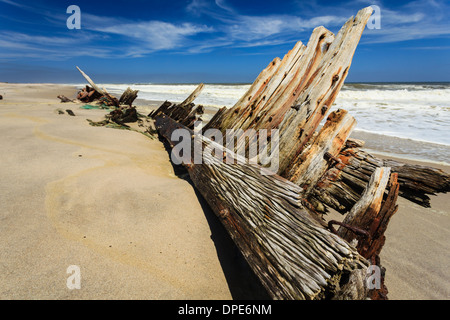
(411, 111)
(410, 120)
(214, 95)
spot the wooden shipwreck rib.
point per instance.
(293, 255)
(276, 218)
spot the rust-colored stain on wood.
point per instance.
(318, 170)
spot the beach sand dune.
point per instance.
(109, 201)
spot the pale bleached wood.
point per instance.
(370, 200)
(290, 252)
(112, 100)
(92, 83)
(313, 102)
(229, 116)
(284, 91)
(282, 74)
(370, 217)
(298, 102)
(192, 96)
(297, 79)
(267, 106)
(313, 162)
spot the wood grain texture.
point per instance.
(293, 255)
(314, 161)
(190, 99)
(274, 221)
(343, 183)
(313, 102)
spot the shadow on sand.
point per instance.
(241, 280)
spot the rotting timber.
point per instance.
(293, 255)
(276, 219)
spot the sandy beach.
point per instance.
(110, 202)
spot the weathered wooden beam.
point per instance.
(113, 100)
(282, 74)
(342, 185)
(295, 81)
(283, 80)
(128, 96)
(312, 104)
(372, 245)
(92, 83)
(314, 161)
(368, 205)
(294, 94)
(226, 118)
(192, 96)
(185, 112)
(289, 251)
(291, 77)
(370, 217)
(186, 115)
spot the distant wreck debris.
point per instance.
(64, 99)
(88, 94)
(277, 220)
(123, 113)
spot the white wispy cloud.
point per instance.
(156, 35)
(13, 3)
(413, 21)
(227, 27)
(97, 37)
(242, 30)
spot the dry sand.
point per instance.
(109, 202)
(416, 254)
(417, 250)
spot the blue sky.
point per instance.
(193, 41)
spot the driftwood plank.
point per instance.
(342, 185)
(313, 102)
(313, 162)
(192, 96)
(368, 205)
(113, 100)
(370, 217)
(226, 117)
(294, 94)
(259, 103)
(291, 253)
(92, 83)
(128, 96)
(296, 80)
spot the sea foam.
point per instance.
(410, 112)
